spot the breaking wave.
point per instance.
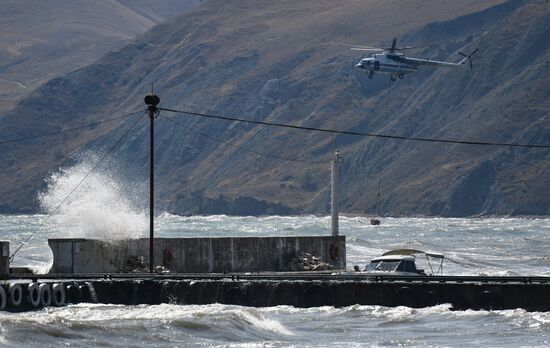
(102, 206)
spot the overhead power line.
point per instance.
(77, 186)
(69, 129)
(374, 135)
(239, 146)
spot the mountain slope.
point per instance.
(43, 39)
(274, 61)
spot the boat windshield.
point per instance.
(384, 266)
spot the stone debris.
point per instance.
(306, 262)
(137, 264)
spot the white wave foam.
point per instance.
(41, 267)
(215, 313)
(285, 309)
(103, 206)
(253, 317)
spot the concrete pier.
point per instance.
(329, 290)
(195, 255)
(4, 259)
(208, 279)
(304, 290)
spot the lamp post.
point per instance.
(152, 101)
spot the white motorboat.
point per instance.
(402, 262)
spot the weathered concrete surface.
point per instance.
(4, 259)
(194, 255)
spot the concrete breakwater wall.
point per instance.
(306, 293)
(261, 290)
(194, 255)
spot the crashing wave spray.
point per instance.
(103, 206)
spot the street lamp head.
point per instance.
(152, 99)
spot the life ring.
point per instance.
(15, 295)
(33, 295)
(3, 298)
(334, 252)
(167, 257)
(73, 294)
(45, 294)
(58, 295)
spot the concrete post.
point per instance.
(334, 166)
(4, 259)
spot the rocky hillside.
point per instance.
(43, 39)
(274, 61)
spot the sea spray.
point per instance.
(103, 206)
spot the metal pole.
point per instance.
(152, 192)
(334, 192)
(152, 101)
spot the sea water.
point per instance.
(105, 205)
(481, 246)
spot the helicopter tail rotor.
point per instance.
(468, 57)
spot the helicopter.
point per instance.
(393, 62)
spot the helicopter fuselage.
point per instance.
(380, 63)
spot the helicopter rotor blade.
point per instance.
(367, 49)
(411, 47)
(352, 45)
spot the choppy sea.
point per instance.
(491, 246)
(104, 206)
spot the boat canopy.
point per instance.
(394, 257)
(412, 252)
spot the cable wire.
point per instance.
(240, 147)
(68, 129)
(334, 131)
(77, 186)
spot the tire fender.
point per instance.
(3, 298)
(45, 294)
(85, 293)
(33, 295)
(15, 295)
(58, 294)
(405, 296)
(72, 294)
(489, 300)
